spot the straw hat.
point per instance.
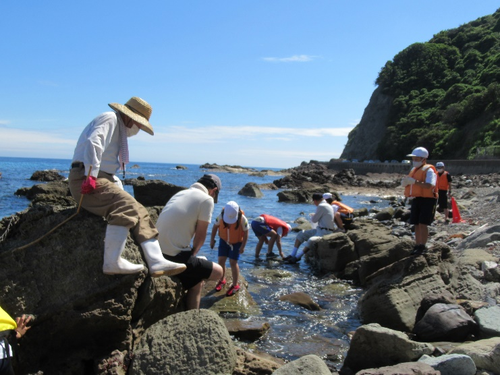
(138, 110)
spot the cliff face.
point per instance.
(365, 137)
(443, 94)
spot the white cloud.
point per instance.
(294, 58)
(211, 134)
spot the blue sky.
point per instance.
(253, 83)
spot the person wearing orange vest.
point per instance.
(444, 189)
(420, 185)
(269, 226)
(342, 213)
(232, 226)
(10, 331)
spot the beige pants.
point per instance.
(114, 203)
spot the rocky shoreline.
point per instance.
(119, 320)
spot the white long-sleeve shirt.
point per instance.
(99, 144)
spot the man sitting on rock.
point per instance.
(186, 217)
(101, 151)
(324, 220)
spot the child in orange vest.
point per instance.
(232, 226)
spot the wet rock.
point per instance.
(301, 299)
(268, 186)
(251, 189)
(488, 319)
(226, 168)
(484, 353)
(240, 304)
(360, 212)
(451, 364)
(302, 224)
(445, 322)
(246, 330)
(47, 176)
(375, 346)
(181, 167)
(308, 364)
(185, 343)
(407, 368)
(155, 192)
(87, 315)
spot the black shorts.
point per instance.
(443, 199)
(197, 270)
(422, 211)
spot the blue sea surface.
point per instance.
(295, 331)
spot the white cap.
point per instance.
(440, 164)
(289, 227)
(327, 196)
(420, 152)
(231, 212)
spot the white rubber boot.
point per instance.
(114, 244)
(157, 264)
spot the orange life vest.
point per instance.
(343, 208)
(229, 232)
(415, 190)
(276, 223)
(442, 181)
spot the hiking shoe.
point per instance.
(292, 260)
(287, 258)
(233, 290)
(220, 285)
(271, 255)
(418, 249)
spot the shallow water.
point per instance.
(294, 331)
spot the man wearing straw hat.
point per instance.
(101, 151)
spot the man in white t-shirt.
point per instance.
(186, 217)
(323, 217)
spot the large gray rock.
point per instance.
(484, 353)
(375, 346)
(308, 364)
(451, 364)
(55, 188)
(488, 319)
(395, 292)
(301, 299)
(331, 253)
(192, 342)
(445, 322)
(82, 314)
(252, 364)
(251, 189)
(47, 175)
(407, 368)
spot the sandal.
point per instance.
(233, 290)
(220, 285)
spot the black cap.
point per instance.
(211, 181)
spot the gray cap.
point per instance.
(211, 181)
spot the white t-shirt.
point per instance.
(177, 222)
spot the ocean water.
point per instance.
(294, 331)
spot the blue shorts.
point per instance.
(225, 250)
(260, 229)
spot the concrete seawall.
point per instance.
(455, 167)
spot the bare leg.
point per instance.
(272, 240)
(421, 234)
(259, 245)
(193, 296)
(222, 263)
(235, 270)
